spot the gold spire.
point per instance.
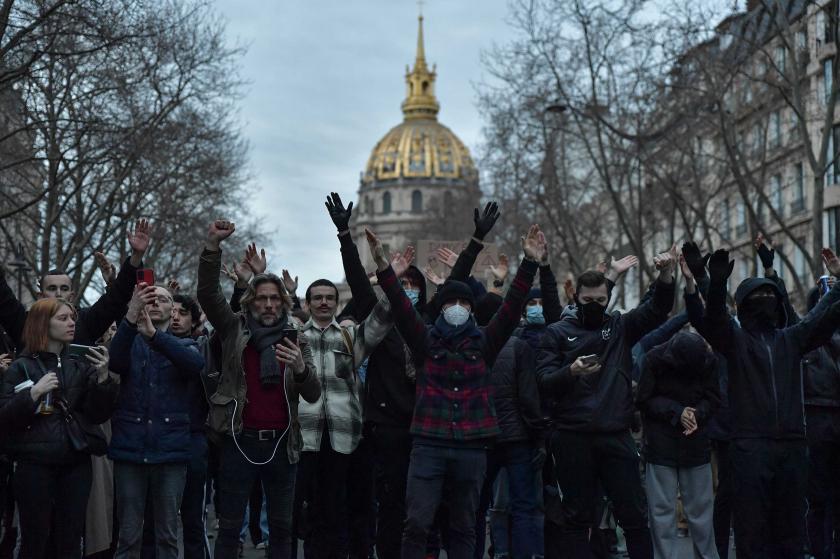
(420, 101)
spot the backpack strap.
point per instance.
(348, 345)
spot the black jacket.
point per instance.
(43, 438)
(677, 374)
(602, 402)
(92, 322)
(765, 378)
(515, 393)
(821, 375)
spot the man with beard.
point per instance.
(768, 448)
(584, 363)
(254, 410)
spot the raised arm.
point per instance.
(209, 291)
(655, 310)
(552, 308)
(716, 325)
(483, 225)
(12, 312)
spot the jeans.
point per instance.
(769, 477)
(582, 460)
(132, 483)
(236, 479)
(514, 461)
(45, 491)
(461, 471)
(193, 510)
(391, 454)
(723, 498)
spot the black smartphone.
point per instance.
(79, 350)
(290, 334)
(589, 359)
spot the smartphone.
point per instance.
(146, 275)
(78, 350)
(290, 334)
(589, 359)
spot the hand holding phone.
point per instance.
(291, 334)
(585, 365)
(146, 275)
(78, 350)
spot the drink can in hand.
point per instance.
(824, 287)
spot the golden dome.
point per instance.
(420, 147)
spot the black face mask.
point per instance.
(591, 314)
(760, 313)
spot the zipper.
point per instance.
(773, 382)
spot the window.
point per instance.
(798, 204)
(799, 263)
(833, 163)
(777, 195)
(779, 59)
(725, 224)
(776, 129)
(802, 40)
(741, 222)
(828, 77)
(821, 26)
(386, 203)
(416, 202)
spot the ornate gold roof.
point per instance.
(420, 147)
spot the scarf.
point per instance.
(263, 339)
(449, 332)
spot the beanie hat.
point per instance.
(454, 289)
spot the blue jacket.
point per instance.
(152, 422)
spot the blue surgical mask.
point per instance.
(456, 315)
(534, 314)
(413, 295)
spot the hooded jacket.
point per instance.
(677, 374)
(601, 402)
(765, 379)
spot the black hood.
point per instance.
(685, 353)
(752, 284)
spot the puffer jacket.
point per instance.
(43, 439)
(152, 422)
(515, 393)
(227, 403)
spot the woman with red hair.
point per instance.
(46, 393)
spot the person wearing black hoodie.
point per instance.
(678, 391)
(768, 450)
(821, 385)
(584, 363)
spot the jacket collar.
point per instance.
(311, 324)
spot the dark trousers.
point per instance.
(769, 479)
(824, 498)
(193, 511)
(44, 492)
(361, 504)
(328, 518)
(436, 471)
(391, 454)
(236, 478)
(582, 460)
(722, 516)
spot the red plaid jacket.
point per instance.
(453, 394)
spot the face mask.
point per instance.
(456, 315)
(534, 314)
(413, 295)
(761, 313)
(591, 314)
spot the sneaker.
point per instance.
(261, 545)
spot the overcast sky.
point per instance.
(326, 82)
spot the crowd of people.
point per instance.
(409, 421)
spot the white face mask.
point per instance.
(456, 315)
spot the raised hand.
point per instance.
(695, 261)
(401, 261)
(569, 289)
(432, 276)
(619, 267)
(108, 270)
(766, 255)
(338, 213)
(484, 222)
(501, 270)
(173, 286)
(532, 245)
(229, 272)
(256, 261)
(290, 284)
(446, 256)
(544, 261)
(832, 263)
(243, 273)
(142, 296)
(217, 232)
(139, 238)
(376, 250)
(720, 266)
(666, 262)
(602, 267)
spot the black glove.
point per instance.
(766, 255)
(538, 460)
(484, 223)
(720, 266)
(695, 261)
(339, 215)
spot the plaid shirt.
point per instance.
(454, 401)
(340, 404)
